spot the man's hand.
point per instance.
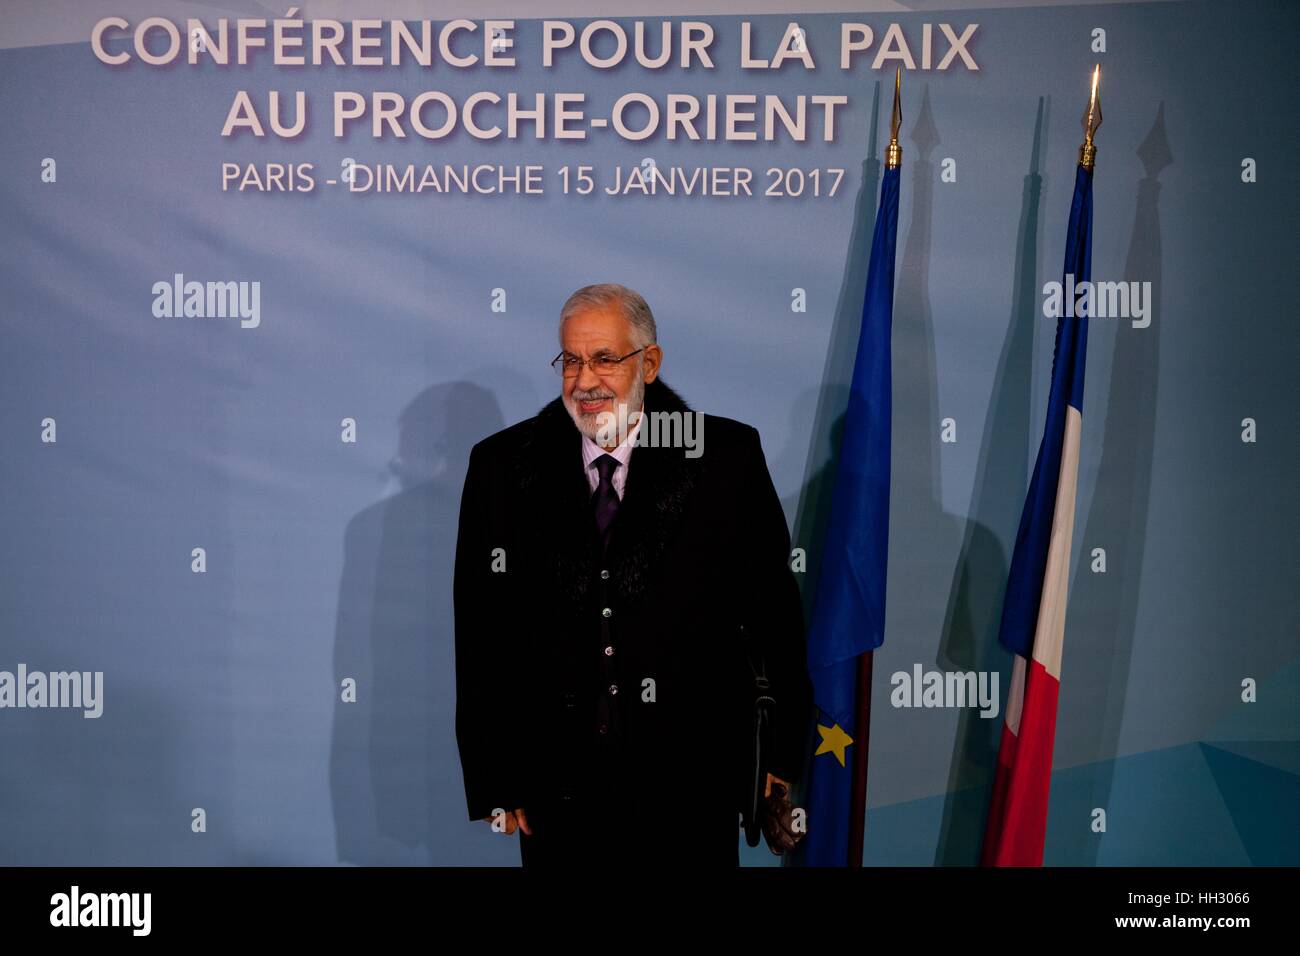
(516, 818)
(767, 790)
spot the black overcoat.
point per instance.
(577, 670)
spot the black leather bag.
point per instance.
(760, 743)
(771, 816)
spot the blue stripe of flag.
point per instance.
(1029, 561)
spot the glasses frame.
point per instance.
(559, 365)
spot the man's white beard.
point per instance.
(589, 423)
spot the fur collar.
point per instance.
(547, 469)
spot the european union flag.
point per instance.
(849, 611)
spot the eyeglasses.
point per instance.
(570, 366)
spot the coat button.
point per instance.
(606, 612)
(604, 575)
(613, 688)
(609, 652)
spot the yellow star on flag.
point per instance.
(834, 741)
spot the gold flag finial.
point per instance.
(894, 152)
(1091, 120)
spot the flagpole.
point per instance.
(862, 725)
(861, 737)
(1034, 609)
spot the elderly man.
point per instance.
(608, 582)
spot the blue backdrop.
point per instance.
(328, 560)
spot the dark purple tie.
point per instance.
(605, 498)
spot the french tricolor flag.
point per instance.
(1033, 614)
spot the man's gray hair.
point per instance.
(610, 294)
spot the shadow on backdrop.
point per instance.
(970, 634)
(923, 538)
(811, 510)
(395, 775)
(1103, 607)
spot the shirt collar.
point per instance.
(591, 451)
